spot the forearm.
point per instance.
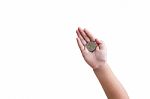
(112, 87)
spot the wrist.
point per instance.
(100, 66)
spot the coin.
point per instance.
(91, 46)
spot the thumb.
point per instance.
(100, 43)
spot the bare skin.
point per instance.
(98, 62)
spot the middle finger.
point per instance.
(83, 34)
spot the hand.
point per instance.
(95, 59)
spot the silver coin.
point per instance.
(91, 46)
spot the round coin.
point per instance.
(91, 46)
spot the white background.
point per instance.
(39, 57)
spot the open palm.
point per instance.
(95, 58)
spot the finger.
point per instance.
(89, 35)
(99, 43)
(81, 46)
(83, 34)
(80, 37)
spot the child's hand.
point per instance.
(95, 59)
